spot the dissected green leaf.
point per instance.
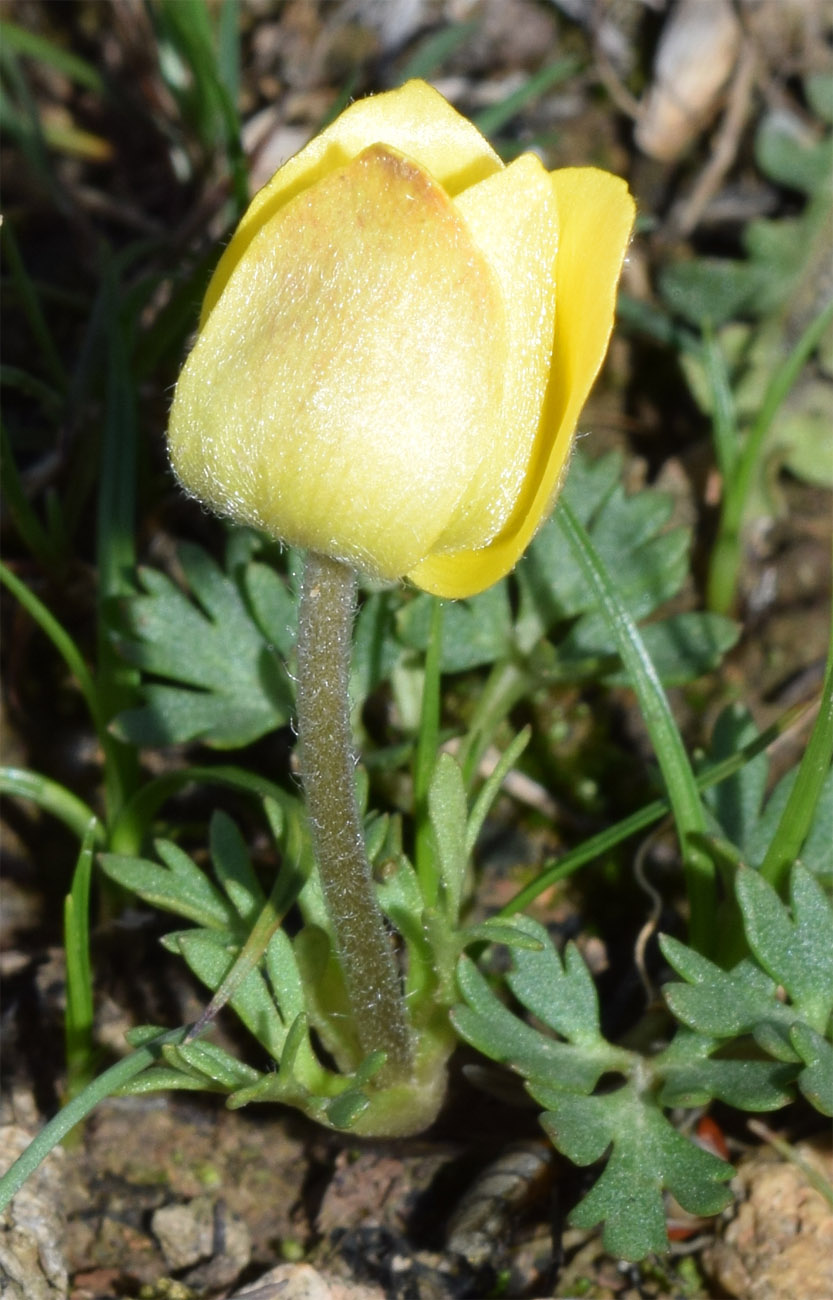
(233, 868)
(631, 537)
(749, 821)
(343, 1111)
(497, 930)
(285, 977)
(797, 952)
(166, 1078)
(376, 648)
(560, 993)
(232, 686)
(783, 999)
(816, 1079)
(272, 604)
(631, 534)
(722, 1004)
(747, 1085)
(791, 154)
(448, 811)
(815, 852)
(179, 886)
(712, 289)
(647, 1156)
(210, 957)
(736, 803)
(626, 531)
(819, 91)
(499, 1034)
(681, 647)
(783, 255)
(210, 1063)
(474, 632)
(762, 832)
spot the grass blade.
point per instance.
(491, 119)
(78, 1016)
(797, 817)
(62, 642)
(724, 421)
(80, 1107)
(680, 782)
(23, 41)
(607, 839)
(52, 798)
(726, 554)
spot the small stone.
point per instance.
(185, 1232)
(779, 1241)
(32, 1228)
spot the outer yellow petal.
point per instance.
(415, 120)
(595, 213)
(512, 217)
(337, 394)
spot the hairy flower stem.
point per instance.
(329, 776)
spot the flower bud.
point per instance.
(396, 345)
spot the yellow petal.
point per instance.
(337, 394)
(415, 120)
(512, 217)
(595, 217)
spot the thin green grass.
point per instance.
(683, 795)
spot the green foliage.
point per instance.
(742, 812)
(558, 614)
(645, 1153)
(199, 62)
(784, 255)
(222, 642)
(647, 1156)
(207, 657)
(78, 1020)
(791, 952)
(269, 995)
(226, 656)
(569, 1068)
(283, 989)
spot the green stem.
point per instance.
(79, 1108)
(328, 770)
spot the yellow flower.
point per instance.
(397, 343)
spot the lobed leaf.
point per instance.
(233, 868)
(560, 993)
(747, 1085)
(178, 886)
(797, 952)
(448, 811)
(490, 1027)
(476, 631)
(816, 1079)
(210, 957)
(647, 1156)
(719, 1003)
(208, 641)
